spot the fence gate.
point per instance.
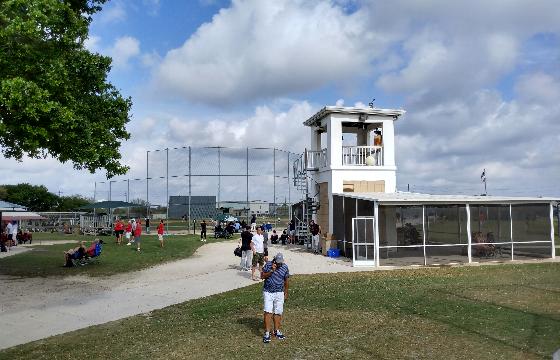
(363, 241)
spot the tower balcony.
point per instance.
(362, 155)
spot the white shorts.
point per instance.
(160, 237)
(273, 302)
(127, 235)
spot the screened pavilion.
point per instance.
(400, 229)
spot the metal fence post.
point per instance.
(274, 184)
(147, 183)
(128, 197)
(219, 175)
(189, 208)
(167, 189)
(247, 189)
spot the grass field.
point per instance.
(489, 312)
(48, 260)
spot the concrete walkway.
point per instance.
(35, 308)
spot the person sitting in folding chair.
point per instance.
(76, 253)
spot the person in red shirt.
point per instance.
(137, 234)
(160, 232)
(119, 230)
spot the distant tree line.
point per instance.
(38, 198)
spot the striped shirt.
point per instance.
(275, 282)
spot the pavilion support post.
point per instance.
(469, 237)
(424, 233)
(376, 220)
(552, 230)
(511, 229)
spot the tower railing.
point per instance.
(362, 155)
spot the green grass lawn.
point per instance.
(55, 236)
(48, 260)
(487, 312)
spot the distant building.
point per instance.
(202, 207)
(258, 207)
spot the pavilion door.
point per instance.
(363, 241)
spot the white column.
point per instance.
(376, 219)
(315, 139)
(388, 143)
(552, 230)
(469, 250)
(334, 141)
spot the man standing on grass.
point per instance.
(257, 246)
(203, 226)
(160, 232)
(275, 291)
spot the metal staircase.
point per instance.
(303, 166)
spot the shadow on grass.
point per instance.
(254, 324)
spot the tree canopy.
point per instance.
(38, 198)
(55, 98)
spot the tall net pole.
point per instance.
(247, 189)
(219, 175)
(274, 184)
(190, 194)
(147, 183)
(167, 190)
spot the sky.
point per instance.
(479, 79)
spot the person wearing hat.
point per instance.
(275, 291)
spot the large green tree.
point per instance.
(54, 95)
(33, 197)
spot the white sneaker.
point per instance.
(128, 244)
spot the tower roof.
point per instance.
(312, 121)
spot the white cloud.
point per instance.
(150, 59)
(513, 140)
(267, 127)
(114, 12)
(124, 49)
(258, 49)
(92, 43)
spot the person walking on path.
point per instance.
(275, 291)
(119, 230)
(160, 232)
(203, 226)
(246, 251)
(257, 247)
(137, 234)
(253, 223)
(315, 230)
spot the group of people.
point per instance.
(313, 228)
(132, 231)
(13, 235)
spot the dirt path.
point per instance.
(35, 308)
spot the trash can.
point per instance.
(328, 242)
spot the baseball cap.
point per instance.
(279, 258)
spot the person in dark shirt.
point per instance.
(246, 252)
(203, 230)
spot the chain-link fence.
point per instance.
(188, 184)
